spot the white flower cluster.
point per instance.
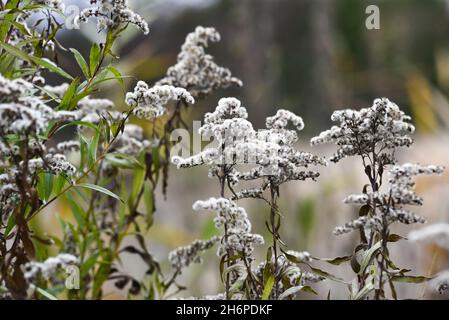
(131, 141)
(149, 103)
(300, 255)
(58, 90)
(112, 14)
(55, 4)
(235, 220)
(271, 152)
(389, 203)
(49, 268)
(24, 116)
(383, 127)
(402, 184)
(230, 129)
(182, 257)
(195, 70)
(277, 158)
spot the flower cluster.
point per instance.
(230, 129)
(149, 103)
(381, 129)
(235, 220)
(112, 14)
(25, 117)
(49, 268)
(277, 158)
(195, 70)
(389, 204)
(182, 257)
(54, 4)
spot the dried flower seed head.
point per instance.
(235, 220)
(149, 103)
(49, 267)
(383, 125)
(112, 14)
(195, 70)
(182, 257)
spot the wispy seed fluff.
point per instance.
(112, 14)
(235, 219)
(390, 203)
(383, 124)
(149, 103)
(182, 257)
(195, 70)
(49, 267)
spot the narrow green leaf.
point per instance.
(81, 62)
(268, 287)
(94, 58)
(77, 212)
(367, 255)
(117, 75)
(410, 279)
(46, 294)
(99, 189)
(39, 61)
(336, 261)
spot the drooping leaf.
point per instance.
(268, 287)
(410, 279)
(99, 189)
(38, 61)
(94, 58)
(81, 62)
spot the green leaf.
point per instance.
(99, 189)
(39, 61)
(394, 237)
(410, 279)
(77, 212)
(10, 224)
(148, 197)
(93, 147)
(366, 290)
(326, 275)
(94, 58)
(89, 264)
(268, 287)
(45, 185)
(46, 294)
(294, 290)
(367, 256)
(81, 62)
(336, 261)
(67, 102)
(117, 75)
(123, 161)
(139, 178)
(78, 123)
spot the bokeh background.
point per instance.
(312, 57)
